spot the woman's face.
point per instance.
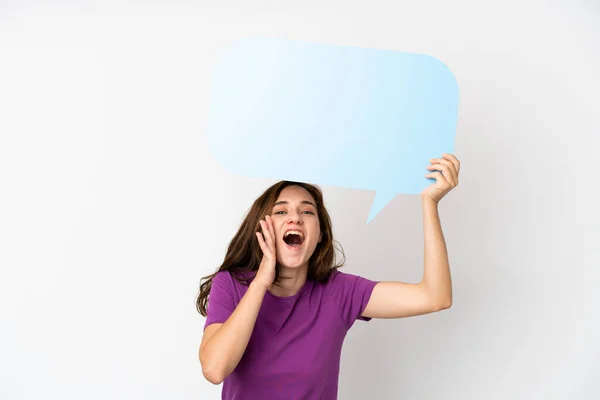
(296, 225)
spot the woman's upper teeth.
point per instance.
(294, 233)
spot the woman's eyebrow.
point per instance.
(302, 202)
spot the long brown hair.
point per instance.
(244, 253)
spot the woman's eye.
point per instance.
(283, 212)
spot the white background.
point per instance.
(112, 209)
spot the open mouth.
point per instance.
(293, 238)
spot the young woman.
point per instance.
(279, 308)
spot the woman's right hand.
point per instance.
(266, 271)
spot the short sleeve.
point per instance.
(352, 293)
(221, 299)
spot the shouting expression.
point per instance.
(296, 226)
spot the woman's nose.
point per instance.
(294, 217)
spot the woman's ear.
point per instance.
(320, 237)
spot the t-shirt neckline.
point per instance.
(292, 297)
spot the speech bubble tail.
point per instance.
(382, 198)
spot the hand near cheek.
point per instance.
(446, 177)
(266, 271)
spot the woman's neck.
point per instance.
(290, 282)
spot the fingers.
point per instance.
(440, 179)
(444, 170)
(262, 244)
(268, 232)
(271, 229)
(447, 167)
(454, 161)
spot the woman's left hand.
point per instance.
(446, 177)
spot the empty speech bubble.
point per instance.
(332, 115)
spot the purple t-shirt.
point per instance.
(294, 350)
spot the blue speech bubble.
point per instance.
(332, 115)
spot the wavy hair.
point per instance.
(244, 253)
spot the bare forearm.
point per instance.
(436, 275)
(225, 349)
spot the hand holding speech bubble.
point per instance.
(332, 115)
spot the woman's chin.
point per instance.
(291, 265)
(292, 257)
(292, 262)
